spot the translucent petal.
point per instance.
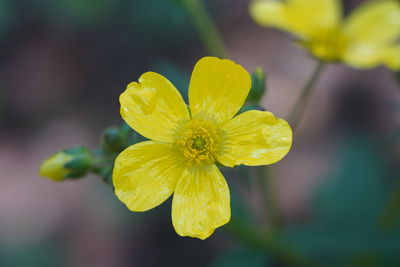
(254, 138)
(145, 175)
(374, 22)
(314, 19)
(269, 13)
(201, 202)
(218, 89)
(364, 55)
(392, 58)
(308, 19)
(153, 107)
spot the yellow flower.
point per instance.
(186, 143)
(367, 38)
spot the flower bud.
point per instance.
(68, 163)
(258, 87)
(114, 139)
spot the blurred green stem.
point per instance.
(271, 244)
(391, 212)
(206, 28)
(297, 112)
(268, 193)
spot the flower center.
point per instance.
(198, 143)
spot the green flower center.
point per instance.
(198, 143)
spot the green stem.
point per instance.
(269, 198)
(270, 244)
(206, 28)
(390, 214)
(297, 112)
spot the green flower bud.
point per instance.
(68, 163)
(114, 139)
(258, 87)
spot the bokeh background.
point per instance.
(63, 65)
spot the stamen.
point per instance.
(198, 143)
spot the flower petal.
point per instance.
(145, 175)
(201, 202)
(305, 18)
(376, 22)
(365, 55)
(269, 13)
(314, 19)
(254, 138)
(153, 107)
(392, 59)
(218, 89)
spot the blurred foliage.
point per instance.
(167, 18)
(43, 253)
(239, 257)
(7, 17)
(87, 12)
(346, 209)
(147, 20)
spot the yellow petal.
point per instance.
(218, 89)
(53, 167)
(392, 58)
(254, 138)
(308, 19)
(314, 19)
(153, 107)
(201, 202)
(269, 13)
(375, 22)
(145, 175)
(364, 55)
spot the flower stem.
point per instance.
(390, 215)
(269, 198)
(271, 244)
(298, 109)
(206, 28)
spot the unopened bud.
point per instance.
(258, 87)
(68, 163)
(114, 139)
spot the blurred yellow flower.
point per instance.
(186, 143)
(367, 38)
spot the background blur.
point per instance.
(63, 65)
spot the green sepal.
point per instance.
(113, 139)
(106, 174)
(258, 87)
(81, 162)
(251, 107)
